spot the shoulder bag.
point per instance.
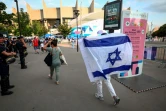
(48, 59)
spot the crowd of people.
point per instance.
(10, 48)
(17, 46)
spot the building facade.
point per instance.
(52, 17)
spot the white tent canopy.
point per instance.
(87, 18)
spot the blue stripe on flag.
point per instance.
(111, 41)
(110, 70)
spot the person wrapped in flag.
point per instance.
(104, 56)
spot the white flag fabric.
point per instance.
(106, 55)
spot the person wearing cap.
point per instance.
(4, 68)
(21, 46)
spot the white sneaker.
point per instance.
(99, 97)
(49, 75)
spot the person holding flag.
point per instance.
(104, 56)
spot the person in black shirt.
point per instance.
(39, 43)
(10, 46)
(6, 42)
(21, 46)
(4, 68)
(14, 46)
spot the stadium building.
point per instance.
(55, 16)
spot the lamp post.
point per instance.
(76, 13)
(151, 29)
(19, 26)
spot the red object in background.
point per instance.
(35, 43)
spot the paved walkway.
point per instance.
(35, 92)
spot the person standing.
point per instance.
(39, 43)
(30, 42)
(56, 53)
(42, 45)
(73, 43)
(36, 45)
(14, 47)
(21, 46)
(6, 42)
(10, 46)
(4, 68)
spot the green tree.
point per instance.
(27, 31)
(16, 31)
(155, 34)
(38, 28)
(64, 29)
(2, 7)
(161, 32)
(25, 26)
(5, 19)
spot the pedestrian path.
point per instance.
(35, 92)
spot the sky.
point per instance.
(156, 9)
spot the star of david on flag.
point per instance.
(106, 55)
(116, 58)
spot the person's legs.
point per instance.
(51, 71)
(3, 84)
(109, 86)
(35, 49)
(8, 83)
(22, 59)
(57, 68)
(111, 90)
(99, 88)
(23, 62)
(73, 45)
(4, 81)
(7, 78)
(99, 93)
(42, 49)
(38, 48)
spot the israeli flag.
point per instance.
(106, 55)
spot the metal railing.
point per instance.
(157, 54)
(161, 56)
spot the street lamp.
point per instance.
(18, 16)
(76, 13)
(151, 30)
